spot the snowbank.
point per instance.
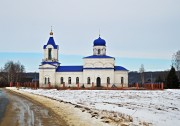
(155, 107)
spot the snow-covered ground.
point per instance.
(159, 108)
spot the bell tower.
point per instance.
(51, 50)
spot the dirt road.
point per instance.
(16, 110)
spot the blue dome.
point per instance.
(99, 42)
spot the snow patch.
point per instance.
(155, 107)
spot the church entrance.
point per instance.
(98, 82)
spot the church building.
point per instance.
(98, 68)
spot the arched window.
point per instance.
(69, 80)
(48, 80)
(77, 80)
(98, 82)
(49, 53)
(45, 80)
(99, 51)
(88, 80)
(62, 80)
(122, 80)
(108, 80)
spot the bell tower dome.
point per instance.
(99, 47)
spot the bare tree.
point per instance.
(13, 71)
(176, 62)
(141, 71)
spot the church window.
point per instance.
(99, 51)
(45, 80)
(49, 53)
(62, 80)
(48, 80)
(77, 80)
(122, 80)
(88, 80)
(69, 80)
(108, 80)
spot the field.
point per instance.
(138, 107)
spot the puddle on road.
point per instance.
(23, 112)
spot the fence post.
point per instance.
(78, 85)
(49, 85)
(27, 84)
(92, 85)
(11, 84)
(152, 87)
(17, 85)
(63, 84)
(137, 86)
(162, 86)
(31, 85)
(35, 85)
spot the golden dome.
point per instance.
(51, 33)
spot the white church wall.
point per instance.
(108, 65)
(118, 75)
(47, 73)
(99, 62)
(89, 65)
(65, 76)
(93, 74)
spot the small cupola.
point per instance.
(99, 42)
(99, 47)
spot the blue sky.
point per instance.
(136, 31)
(32, 61)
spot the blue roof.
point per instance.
(51, 42)
(80, 68)
(98, 68)
(51, 63)
(69, 69)
(99, 56)
(119, 68)
(99, 42)
(116, 68)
